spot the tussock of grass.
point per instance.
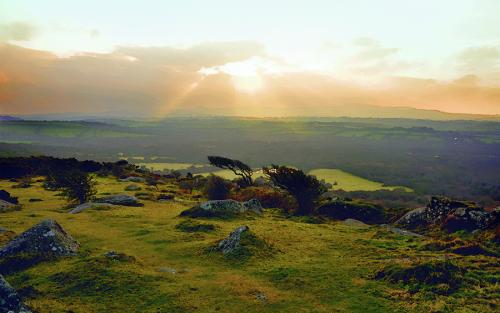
(441, 277)
(191, 226)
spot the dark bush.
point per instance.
(216, 188)
(365, 212)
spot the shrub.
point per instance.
(186, 185)
(76, 185)
(216, 188)
(268, 197)
(365, 212)
(306, 189)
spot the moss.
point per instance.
(191, 226)
(441, 277)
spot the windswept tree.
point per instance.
(306, 189)
(237, 167)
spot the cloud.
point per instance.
(481, 60)
(16, 31)
(142, 81)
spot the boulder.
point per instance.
(5, 195)
(121, 199)
(133, 179)
(450, 214)
(232, 242)
(44, 241)
(232, 206)
(10, 301)
(92, 205)
(8, 207)
(133, 187)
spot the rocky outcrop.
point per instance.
(133, 187)
(92, 205)
(44, 241)
(232, 242)
(5, 195)
(224, 208)
(133, 179)
(121, 199)
(232, 206)
(469, 219)
(8, 207)
(10, 301)
(450, 215)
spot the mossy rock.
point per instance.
(197, 212)
(440, 277)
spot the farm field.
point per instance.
(349, 182)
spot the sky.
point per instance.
(248, 57)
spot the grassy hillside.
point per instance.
(325, 267)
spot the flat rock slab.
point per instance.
(10, 301)
(120, 199)
(44, 241)
(402, 232)
(356, 223)
(133, 179)
(92, 205)
(133, 187)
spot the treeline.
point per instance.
(18, 167)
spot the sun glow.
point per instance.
(247, 75)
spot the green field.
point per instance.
(349, 182)
(318, 268)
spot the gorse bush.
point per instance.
(216, 188)
(267, 196)
(76, 185)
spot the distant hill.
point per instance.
(9, 118)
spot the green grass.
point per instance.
(326, 267)
(349, 182)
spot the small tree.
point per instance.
(237, 167)
(76, 185)
(216, 188)
(306, 189)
